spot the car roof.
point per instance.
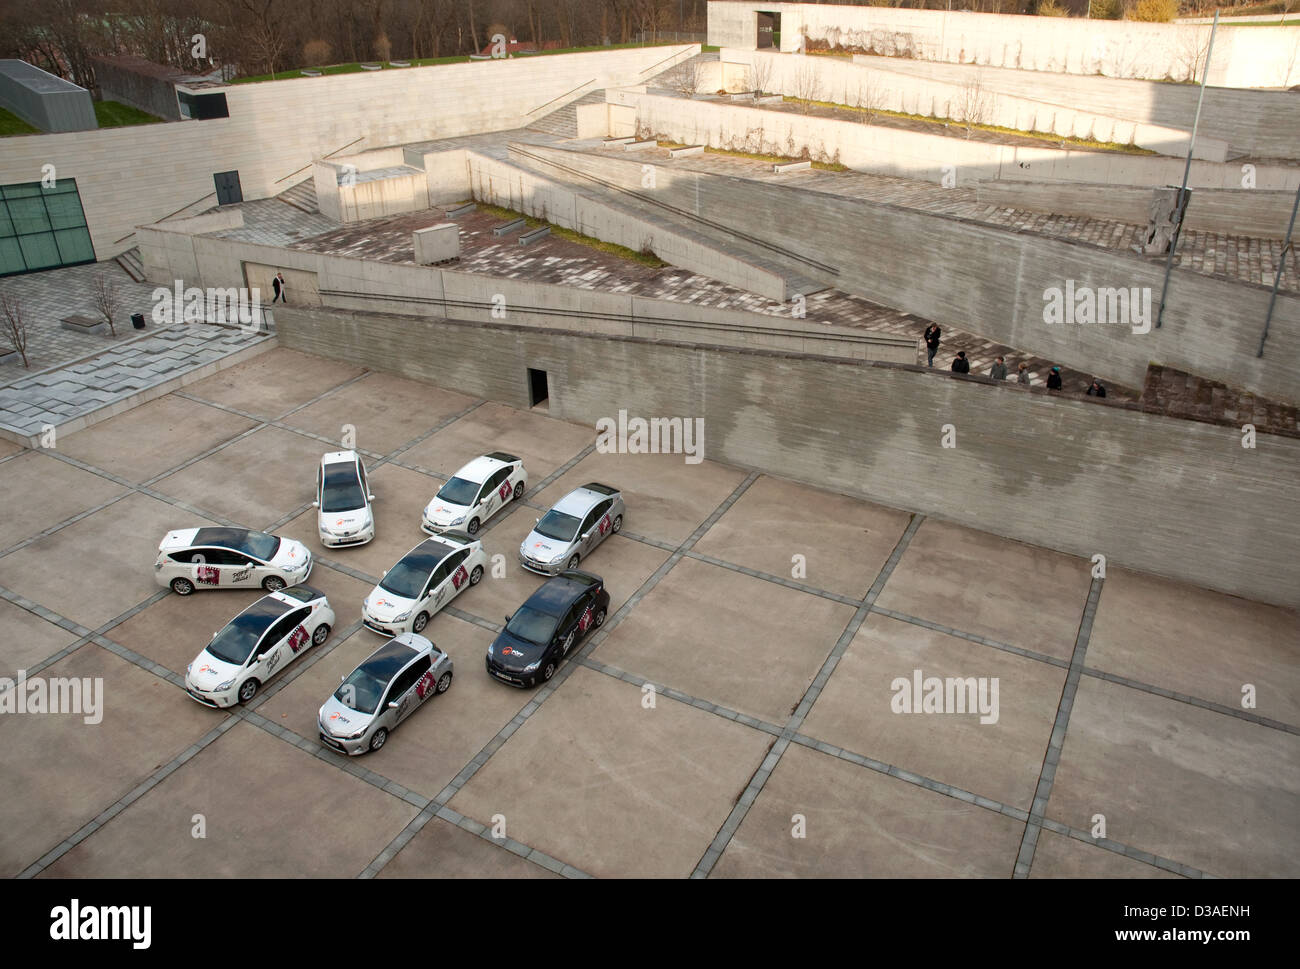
(483, 467)
(300, 593)
(579, 501)
(389, 659)
(556, 595)
(220, 536)
(429, 553)
(269, 608)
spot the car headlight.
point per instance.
(357, 735)
(403, 617)
(532, 666)
(226, 685)
(188, 668)
(558, 558)
(491, 647)
(459, 520)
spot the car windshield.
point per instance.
(458, 491)
(532, 626)
(557, 525)
(341, 490)
(407, 578)
(361, 691)
(234, 644)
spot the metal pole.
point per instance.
(1173, 243)
(1277, 280)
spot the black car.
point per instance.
(545, 628)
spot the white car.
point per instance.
(475, 493)
(343, 498)
(423, 581)
(229, 558)
(266, 637)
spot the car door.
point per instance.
(426, 683)
(402, 691)
(242, 571)
(603, 523)
(205, 567)
(457, 575)
(435, 596)
(365, 485)
(298, 636)
(271, 652)
(489, 500)
(567, 628)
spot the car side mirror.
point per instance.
(383, 573)
(343, 679)
(507, 617)
(537, 521)
(315, 504)
(393, 704)
(370, 497)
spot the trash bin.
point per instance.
(137, 320)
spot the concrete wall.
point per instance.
(316, 279)
(41, 99)
(992, 280)
(928, 157)
(1243, 56)
(1240, 212)
(1264, 124)
(1177, 498)
(137, 175)
(130, 80)
(845, 82)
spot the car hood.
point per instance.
(520, 652)
(345, 521)
(539, 546)
(444, 512)
(291, 553)
(340, 719)
(385, 606)
(207, 672)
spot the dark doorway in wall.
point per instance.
(228, 190)
(769, 30)
(538, 391)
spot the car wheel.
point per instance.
(573, 562)
(444, 682)
(568, 645)
(378, 739)
(600, 618)
(476, 576)
(519, 491)
(421, 621)
(248, 690)
(182, 587)
(321, 634)
(618, 524)
(548, 672)
(472, 527)
(273, 583)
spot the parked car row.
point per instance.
(399, 676)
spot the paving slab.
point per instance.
(859, 823)
(727, 637)
(429, 749)
(265, 805)
(1208, 790)
(148, 440)
(1059, 856)
(60, 772)
(442, 850)
(41, 491)
(99, 567)
(543, 443)
(667, 499)
(844, 541)
(383, 410)
(26, 639)
(274, 382)
(990, 586)
(255, 481)
(628, 792)
(999, 760)
(1198, 643)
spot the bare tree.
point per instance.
(974, 105)
(807, 84)
(870, 97)
(760, 73)
(107, 299)
(15, 325)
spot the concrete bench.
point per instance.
(309, 73)
(745, 96)
(372, 67)
(615, 142)
(686, 152)
(784, 167)
(770, 99)
(638, 145)
(509, 227)
(399, 63)
(528, 238)
(459, 210)
(83, 324)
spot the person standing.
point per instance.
(932, 334)
(1054, 379)
(279, 286)
(1022, 374)
(959, 363)
(999, 370)
(1096, 389)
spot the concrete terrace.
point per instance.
(701, 591)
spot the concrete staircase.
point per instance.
(131, 264)
(302, 197)
(563, 122)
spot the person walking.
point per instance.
(1022, 374)
(999, 370)
(1054, 379)
(959, 363)
(278, 284)
(1096, 389)
(932, 334)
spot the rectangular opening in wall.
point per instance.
(769, 30)
(42, 226)
(538, 391)
(229, 190)
(202, 107)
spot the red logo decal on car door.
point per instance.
(298, 638)
(425, 685)
(604, 525)
(206, 574)
(504, 490)
(585, 622)
(458, 577)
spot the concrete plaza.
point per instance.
(770, 618)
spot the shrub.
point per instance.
(383, 49)
(1106, 10)
(1050, 8)
(1155, 11)
(316, 52)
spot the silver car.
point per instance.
(382, 692)
(572, 529)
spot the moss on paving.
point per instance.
(613, 249)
